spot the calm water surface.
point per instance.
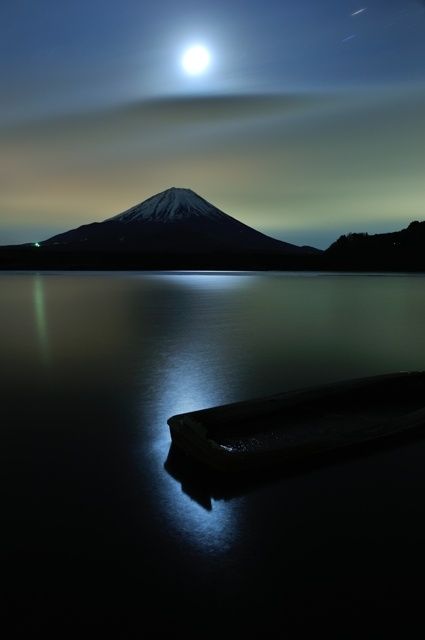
(98, 533)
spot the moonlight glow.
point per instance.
(196, 60)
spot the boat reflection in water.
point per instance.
(210, 491)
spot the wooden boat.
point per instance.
(292, 426)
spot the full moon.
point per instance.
(196, 60)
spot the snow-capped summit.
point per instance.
(170, 205)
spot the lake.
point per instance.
(100, 535)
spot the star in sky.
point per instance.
(359, 11)
(348, 38)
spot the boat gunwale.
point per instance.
(190, 434)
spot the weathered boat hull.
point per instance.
(267, 432)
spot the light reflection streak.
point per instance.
(207, 280)
(40, 317)
(187, 388)
(188, 377)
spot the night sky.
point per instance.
(308, 122)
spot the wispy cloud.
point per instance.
(290, 162)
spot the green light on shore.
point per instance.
(37, 244)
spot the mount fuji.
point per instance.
(175, 229)
(176, 221)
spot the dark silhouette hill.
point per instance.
(398, 250)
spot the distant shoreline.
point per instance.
(316, 265)
(399, 251)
